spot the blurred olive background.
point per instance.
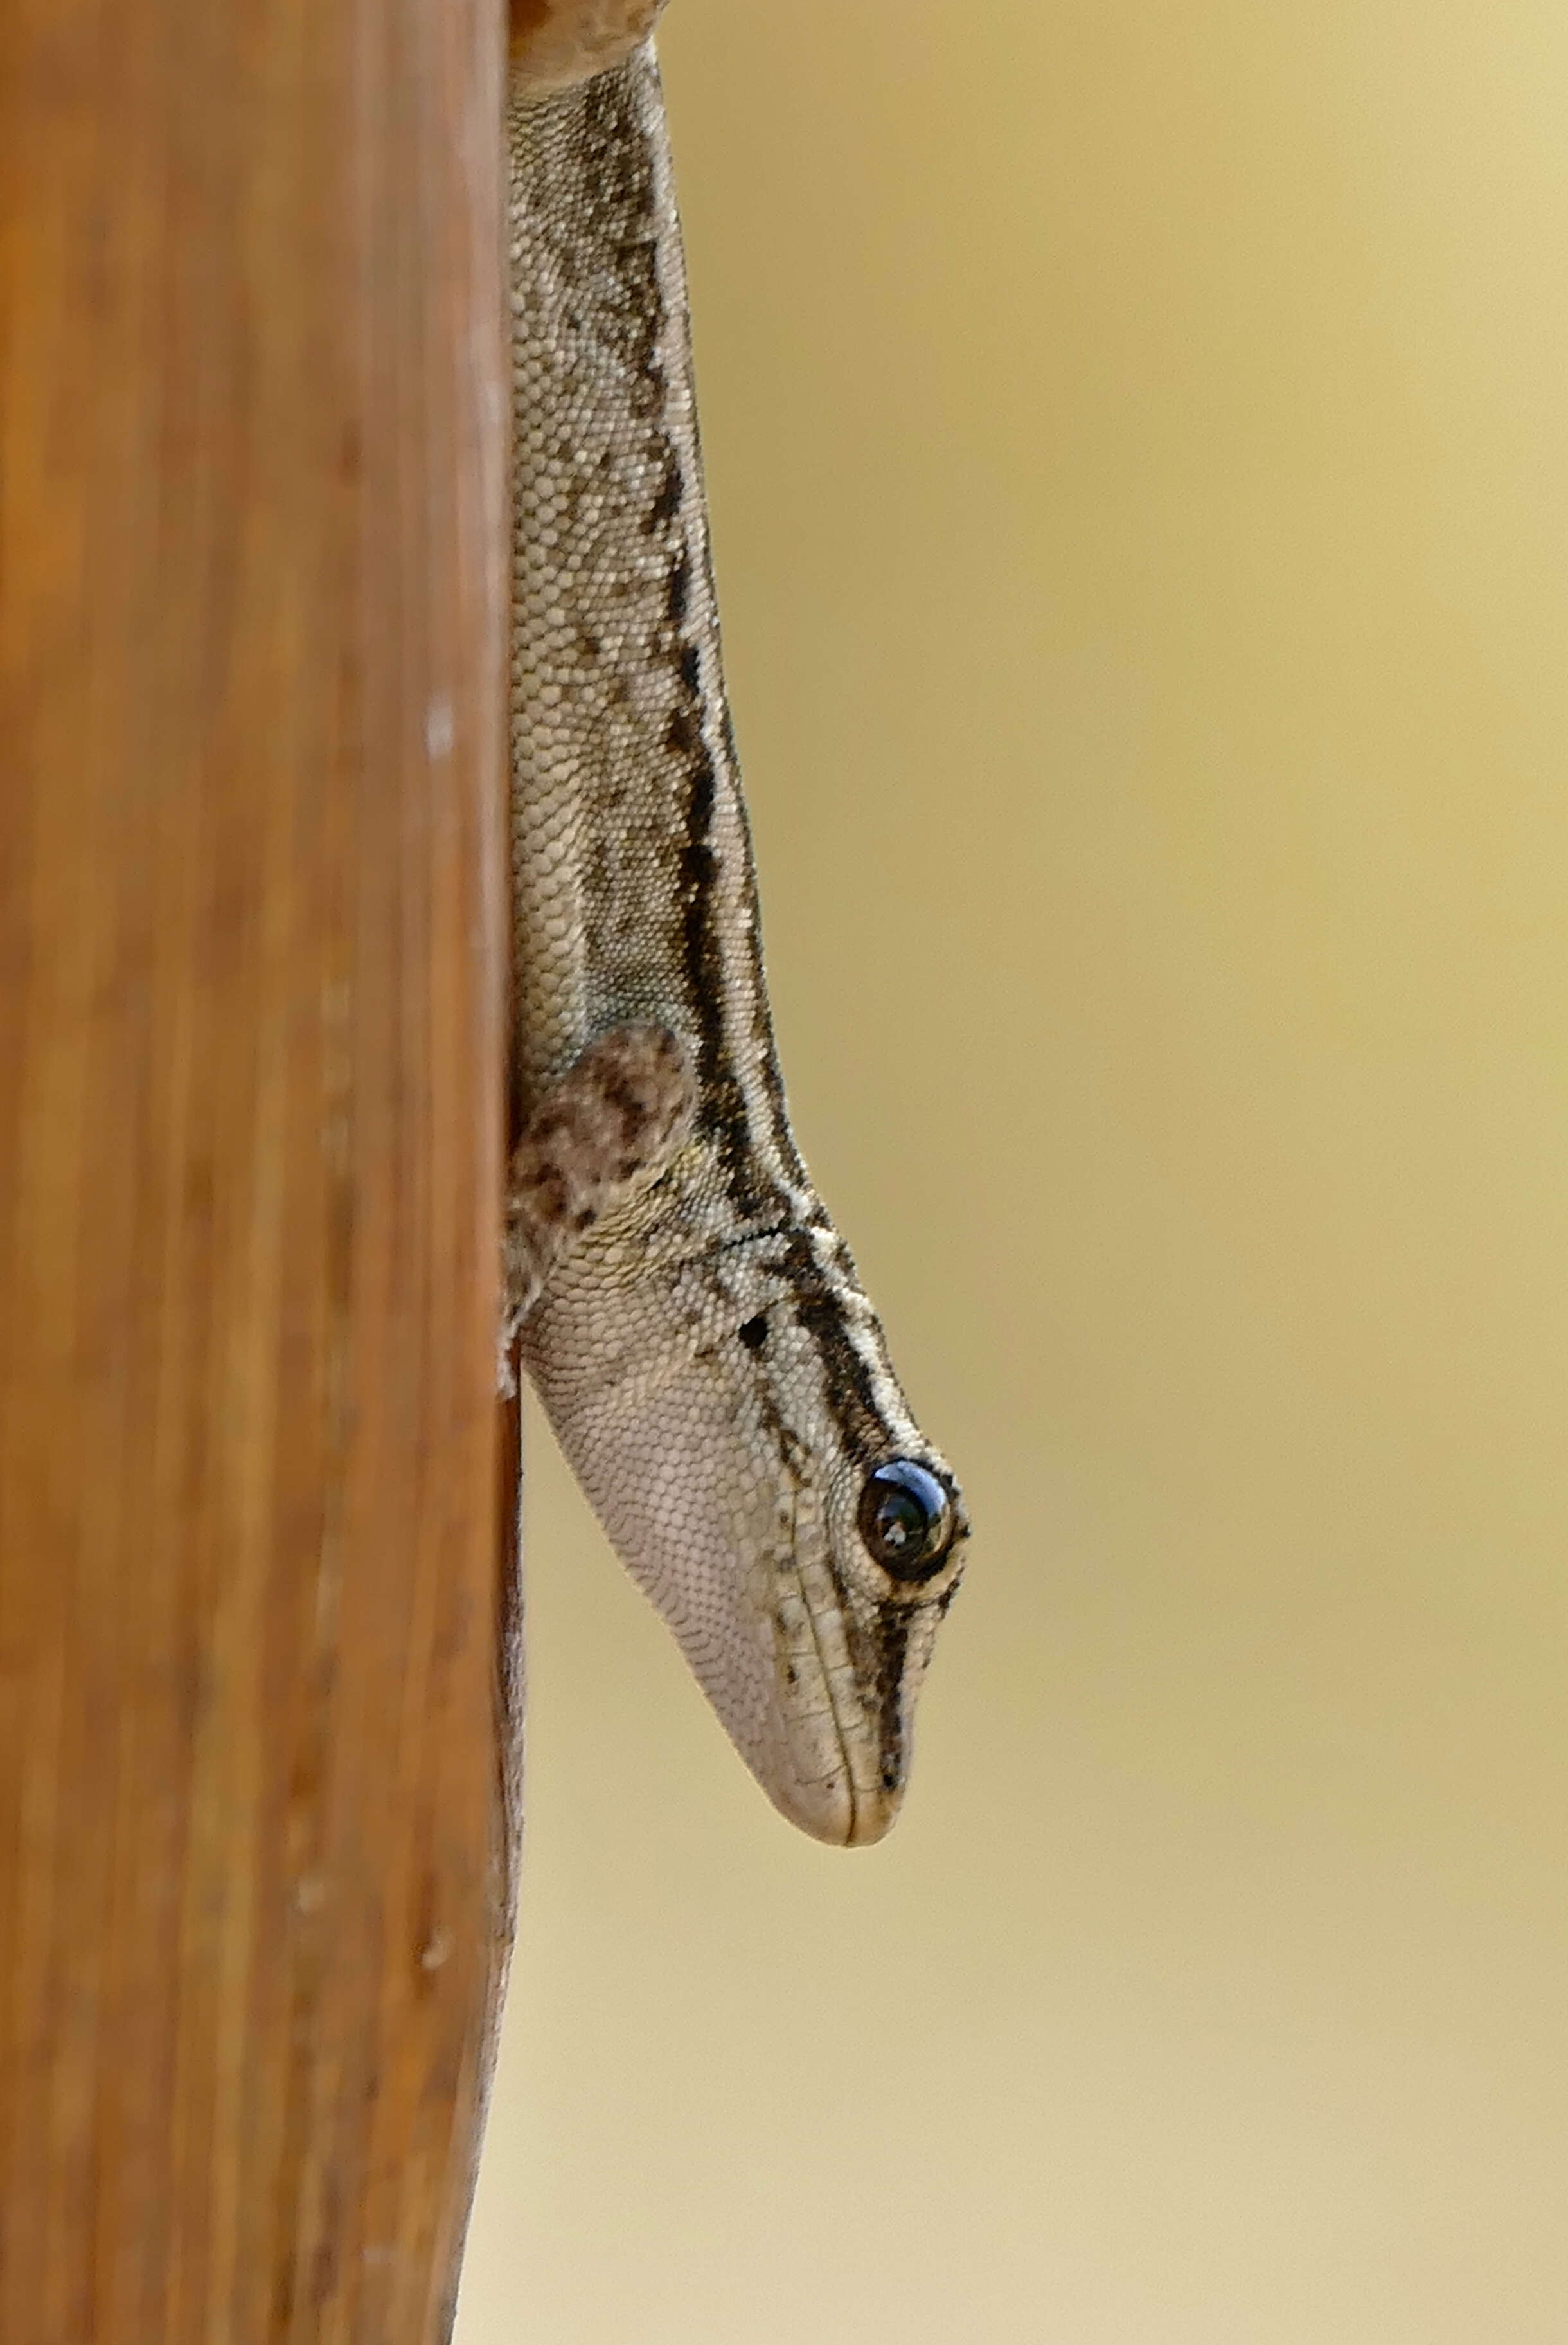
(1136, 437)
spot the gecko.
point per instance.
(684, 1307)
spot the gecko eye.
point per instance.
(906, 1520)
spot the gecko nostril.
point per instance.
(754, 1333)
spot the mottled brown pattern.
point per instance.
(555, 43)
(615, 1120)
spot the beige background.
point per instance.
(1137, 445)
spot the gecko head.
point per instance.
(763, 1482)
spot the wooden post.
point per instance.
(252, 1873)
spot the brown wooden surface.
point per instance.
(251, 1896)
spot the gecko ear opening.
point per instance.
(556, 43)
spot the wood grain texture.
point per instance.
(253, 1880)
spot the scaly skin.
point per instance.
(698, 1334)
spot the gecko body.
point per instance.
(689, 1317)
